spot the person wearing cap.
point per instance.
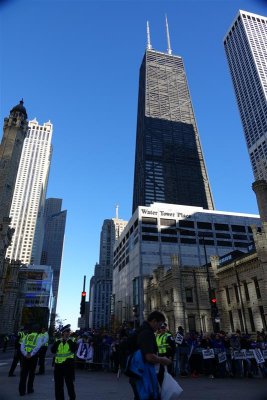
(29, 349)
(64, 350)
(166, 344)
(182, 352)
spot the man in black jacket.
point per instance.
(146, 342)
(64, 350)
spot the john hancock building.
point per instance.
(169, 163)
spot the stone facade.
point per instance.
(12, 299)
(14, 133)
(181, 293)
(240, 283)
(242, 287)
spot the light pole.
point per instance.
(208, 280)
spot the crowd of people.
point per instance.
(192, 354)
(229, 355)
(221, 354)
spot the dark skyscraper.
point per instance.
(169, 163)
(55, 221)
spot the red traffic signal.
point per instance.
(83, 294)
(214, 300)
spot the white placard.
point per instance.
(179, 338)
(222, 357)
(258, 356)
(209, 353)
(249, 354)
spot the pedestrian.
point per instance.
(17, 352)
(115, 353)
(42, 352)
(166, 344)
(182, 352)
(208, 363)
(146, 342)
(29, 349)
(64, 350)
(6, 340)
(194, 357)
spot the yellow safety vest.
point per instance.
(21, 336)
(30, 342)
(42, 336)
(63, 353)
(162, 344)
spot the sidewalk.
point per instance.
(98, 385)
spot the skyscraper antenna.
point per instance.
(168, 36)
(148, 45)
(117, 211)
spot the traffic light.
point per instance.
(214, 308)
(82, 305)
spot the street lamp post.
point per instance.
(209, 285)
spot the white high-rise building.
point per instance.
(246, 49)
(29, 195)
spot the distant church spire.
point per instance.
(148, 45)
(168, 36)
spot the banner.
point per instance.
(258, 356)
(209, 353)
(239, 354)
(249, 354)
(221, 357)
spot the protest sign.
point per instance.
(209, 353)
(258, 356)
(179, 338)
(222, 357)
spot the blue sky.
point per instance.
(77, 64)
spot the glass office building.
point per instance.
(246, 49)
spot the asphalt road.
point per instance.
(105, 386)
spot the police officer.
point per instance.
(29, 349)
(17, 353)
(166, 344)
(42, 352)
(64, 350)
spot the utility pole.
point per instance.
(209, 286)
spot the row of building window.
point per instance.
(195, 224)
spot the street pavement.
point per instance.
(99, 385)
